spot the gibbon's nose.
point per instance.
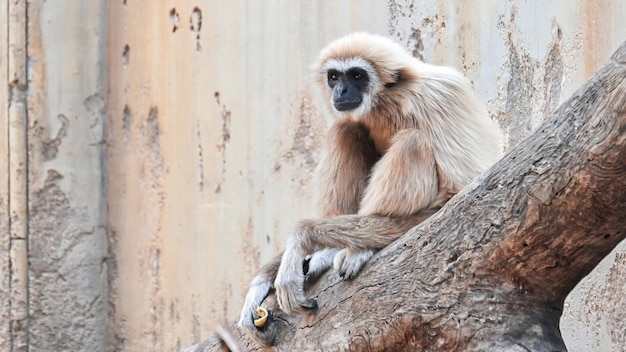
(339, 91)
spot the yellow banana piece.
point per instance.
(262, 313)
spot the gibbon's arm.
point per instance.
(343, 172)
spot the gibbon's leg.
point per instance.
(260, 287)
(403, 182)
(357, 232)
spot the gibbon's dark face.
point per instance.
(348, 87)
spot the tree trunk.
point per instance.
(491, 270)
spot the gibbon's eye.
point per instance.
(333, 78)
(357, 76)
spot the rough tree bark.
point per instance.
(491, 270)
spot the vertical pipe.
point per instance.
(18, 172)
(5, 234)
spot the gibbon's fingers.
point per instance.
(260, 287)
(319, 263)
(348, 263)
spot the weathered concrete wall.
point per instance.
(212, 138)
(524, 58)
(186, 133)
(67, 247)
(66, 205)
(53, 283)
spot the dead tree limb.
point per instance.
(491, 270)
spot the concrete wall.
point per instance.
(158, 152)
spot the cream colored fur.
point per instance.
(419, 136)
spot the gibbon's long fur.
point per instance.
(408, 136)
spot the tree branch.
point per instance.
(490, 270)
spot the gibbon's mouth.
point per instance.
(347, 105)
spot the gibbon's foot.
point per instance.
(268, 333)
(289, 282)
(290, 294)
(349, 263)
(258, 291)
(291, 298)
(317, 264)
(265, 334)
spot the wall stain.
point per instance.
(304, 151)
(553, 76)
(533, 89)
(195, 319)
(195, 24)
(222, 146)
(200, 157)
(95, 105)
(157, 313)
(150, 148)
(17, 92)
(125, 56)
(127, 120)
(144, 144)
(251, 252)
(151, 130)
(416, 44)
(49, 148)
(174, 19)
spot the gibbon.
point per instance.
(408, 136)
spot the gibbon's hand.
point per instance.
(289, 282)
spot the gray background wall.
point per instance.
(158, 152)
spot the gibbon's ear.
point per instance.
(401, 76)
(396, 79)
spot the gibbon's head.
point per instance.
(356, 70)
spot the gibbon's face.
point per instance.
(348, 87)
(353, 83)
